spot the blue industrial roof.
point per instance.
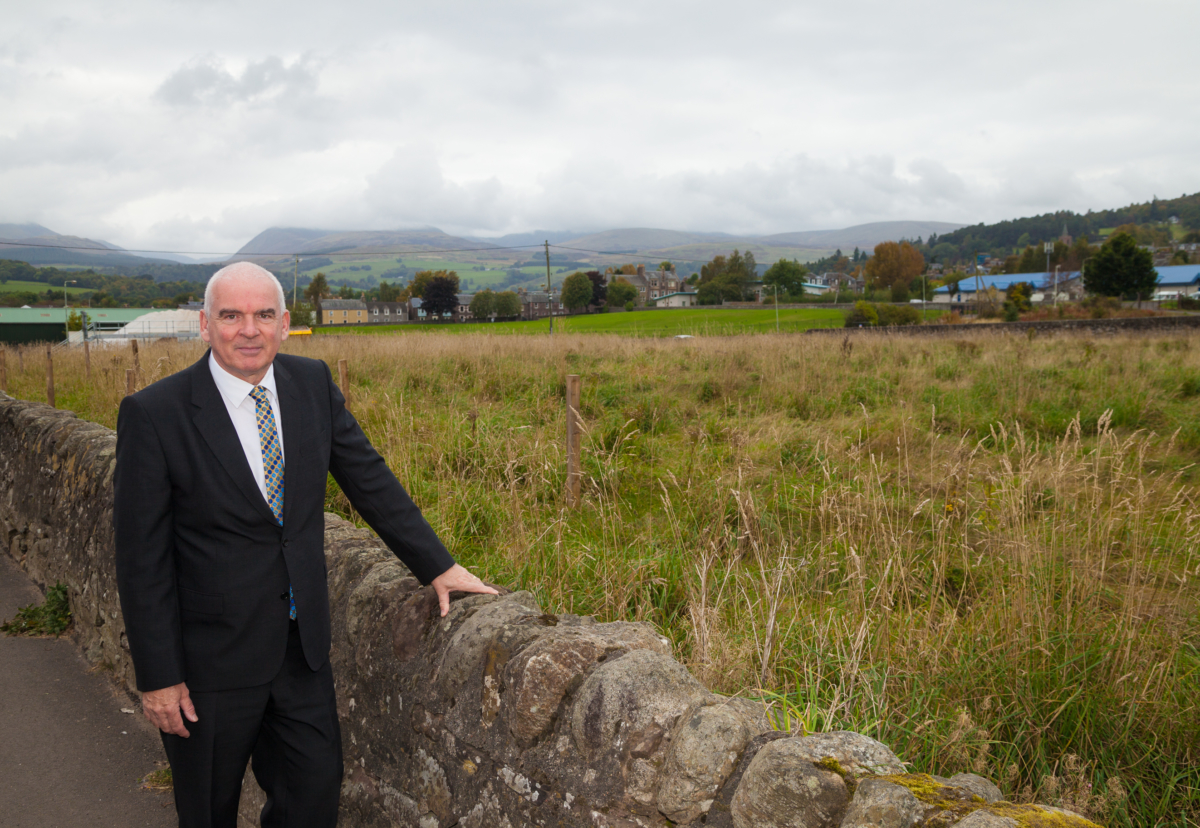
(1167, 275)
(1178, 275)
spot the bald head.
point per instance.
(242, 271)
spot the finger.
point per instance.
(175, 724)
(189, 709)
(444, 601)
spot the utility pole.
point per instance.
(66, 313)
(295, 281)
(549, 295)
(776, 286)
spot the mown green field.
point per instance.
(478, 275)
(691, 321)
(17, 286)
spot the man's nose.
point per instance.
(249, 327)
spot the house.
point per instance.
(659, 283)
(677, 299)
(343, 312)
(541, 305)
(462, 312)
(386, 313)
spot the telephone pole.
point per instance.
(549, 295)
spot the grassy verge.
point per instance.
(982, 552)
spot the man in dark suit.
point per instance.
(219, 488)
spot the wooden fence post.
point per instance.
(50, 375)
(130, 381)
(344, 380)
(574, 441)
(133, 346)
(21, 359)
(4, 370)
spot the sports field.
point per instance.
(657, 323)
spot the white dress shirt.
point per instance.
(236, 394)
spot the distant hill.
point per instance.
(526, 239)
(283, 242)
(636, 239)
(862, 236)
(46, 247)
(25, 231)
(1005, 237)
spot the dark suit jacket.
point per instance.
(202, 567)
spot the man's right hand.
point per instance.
(162, 708)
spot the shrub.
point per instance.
(899, 315)
(863, 315)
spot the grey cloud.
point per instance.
(206, 81)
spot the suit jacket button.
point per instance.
(283, 596)
(285, 543)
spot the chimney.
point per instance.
(641, 271)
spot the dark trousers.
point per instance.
(290, 728)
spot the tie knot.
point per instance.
(259, 393)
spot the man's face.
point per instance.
(246, 328)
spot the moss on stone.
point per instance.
(834, 766)
(953, 807)
(1035, 816)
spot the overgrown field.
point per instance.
(691, 321)
(982, 552)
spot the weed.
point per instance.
(51, 617)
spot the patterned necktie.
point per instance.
(272, 456)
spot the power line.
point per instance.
(307, 254)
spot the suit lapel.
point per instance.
(292, 430)
(213, 423)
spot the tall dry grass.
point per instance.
(982, 552)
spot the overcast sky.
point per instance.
(195, 125)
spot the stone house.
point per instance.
(541, 305)
(386, 313)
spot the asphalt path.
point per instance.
(68, 755)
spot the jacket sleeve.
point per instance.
(378, 496)
(145, 550)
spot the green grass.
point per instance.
(983, 552)
(18, 286)
(660, 323)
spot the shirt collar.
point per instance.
(235, 389)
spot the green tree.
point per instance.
(725, 279)
(621, 292)
(508, 305)
(441, 294)
(576, 291)
(599, 287)
(483, 304)
(347, 292)
(316, 289)
(422, 279)
(388, 292)
(74, 321)
(1121, 268)
(787, 276)
(899, 292)
(667, 266)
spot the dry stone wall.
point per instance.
(502, 714)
